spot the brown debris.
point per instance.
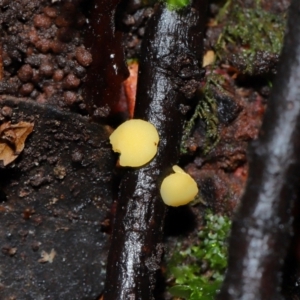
(12, 140)
(47, 257)
(8, 250)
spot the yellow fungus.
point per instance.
(178, 188)
(136, 140)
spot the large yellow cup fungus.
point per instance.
(178, 188)
(137, 141)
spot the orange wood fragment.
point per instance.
(130, 87)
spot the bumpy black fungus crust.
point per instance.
(42, 51)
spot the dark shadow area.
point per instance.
(3, 197)
(179, 221)
(291, 269)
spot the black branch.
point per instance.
(102, 87)
(170, 72)
(262, 226)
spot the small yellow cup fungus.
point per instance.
(178, 188)
(136, 140)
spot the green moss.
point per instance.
(177, 4)
(199, 270)
(248, 31)
(206, 110)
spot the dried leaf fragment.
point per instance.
(7, 250)
(12, 140)
(208, 58)
(47, 257)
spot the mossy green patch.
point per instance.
(249, 30)
(199, 270)
(206, 110)
(177, 4)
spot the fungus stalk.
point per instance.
(169, 74)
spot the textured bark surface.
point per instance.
(262, 227)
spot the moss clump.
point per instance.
(249, 31)
(199, 270)
(177, 4)
(207, 111)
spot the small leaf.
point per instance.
(12, 140)
(47, 257)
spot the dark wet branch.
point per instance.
(102, 88)
(262, 227)
(170, 70)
